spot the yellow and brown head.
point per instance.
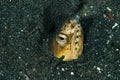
(68, 42)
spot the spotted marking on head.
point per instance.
(68, 42)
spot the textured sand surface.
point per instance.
(26, 27)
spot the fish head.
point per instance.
(68, 42)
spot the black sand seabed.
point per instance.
(26, 27)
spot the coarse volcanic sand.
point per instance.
(27, 26)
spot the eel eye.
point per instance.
(61, 39)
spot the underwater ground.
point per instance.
(27, 26)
